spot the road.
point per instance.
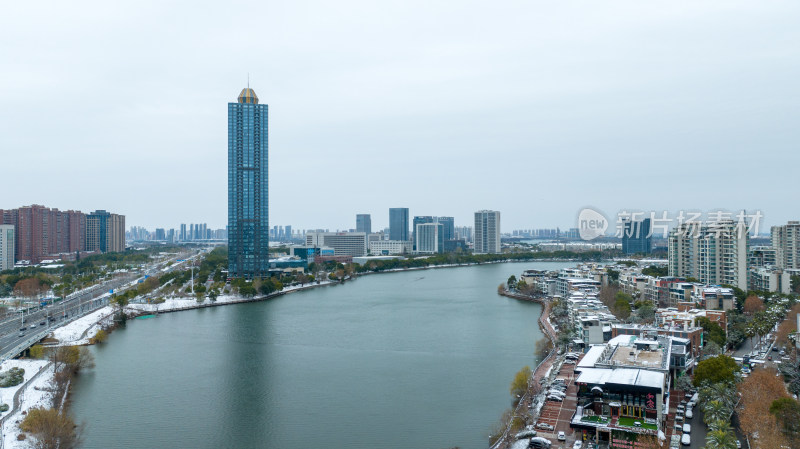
(29, 327)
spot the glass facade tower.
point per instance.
(248, 194)
(398, 223)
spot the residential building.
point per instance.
(7, 247)
(248, 186)
(768, 279)
(715, 298)
(487, 232)
(762, 256)
(41, 232)
(464, 233)
(636, 237)
(105, 232)
(658, 290)
(688, 318)
(364, 223)
(353, 244)
(428, 238)
(786, 241)
(389, 247)
(398, 223)
(712, 252)
(182, 235)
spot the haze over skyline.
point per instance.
(535, 110)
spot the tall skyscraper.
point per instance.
(364, 223)
(487, 232)
(636, 237)
(248, 194)
(448, 227)
(398, 223)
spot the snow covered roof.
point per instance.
(622, 376)
(591, 357)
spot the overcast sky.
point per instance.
(536, 109)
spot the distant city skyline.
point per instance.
(601, 104)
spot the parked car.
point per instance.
(577, 445)
(689, 413)
(539, 443)
(555, 398)
(686, 440)
(687, 428)
(738, 444)
(556, 393)
(562, 436)
(544, 426)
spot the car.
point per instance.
(577, 445)
(33, 325)
(774, 348)
(562, 436)
(569, 362)
(738, 444)
(556, 393)
(22, 334)
(555, 398)
(544, 426)
(23, 329)
(686, 440)
(539, 443)
(42, 323)
(689, 413)
(687, 428)
(678, 418)
(769, 358)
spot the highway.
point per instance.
(21, 330)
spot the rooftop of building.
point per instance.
(248, 95)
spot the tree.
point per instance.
(712, 331)
(787, 412)
(711, 349)
(715, 411)
(622, 308)
(29, 288)
(37, 352)
(715, 370)
(753, 304)
(758, 392)
(51, 428)
(520, 383)
(720, 439)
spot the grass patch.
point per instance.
(595, 419)
(628, 422)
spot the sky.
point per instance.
(536, 109)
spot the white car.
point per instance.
(689, 413)
(578, 445)
(562, 436)
(686, 439)
(687, 428)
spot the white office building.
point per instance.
(389, 247)
(7, 247)
(343, 243)
(712, 252)
(487, 232)
(429, 238)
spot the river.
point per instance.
(416, 359)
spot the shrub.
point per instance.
(12, 377)
(99, 337)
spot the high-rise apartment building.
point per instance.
(182, 235)
(398, 223)
(105, 232)
(487, 232)
(7, 247)
(448, 227)
(364, 223)
(636, 237)
(41, 232)
(786, 242)
(711, 252)
(248, 194)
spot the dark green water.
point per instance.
(418, 359)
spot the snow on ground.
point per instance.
(73, 333)
(35, 394)
(31, 367)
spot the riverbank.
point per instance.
(529, 404)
